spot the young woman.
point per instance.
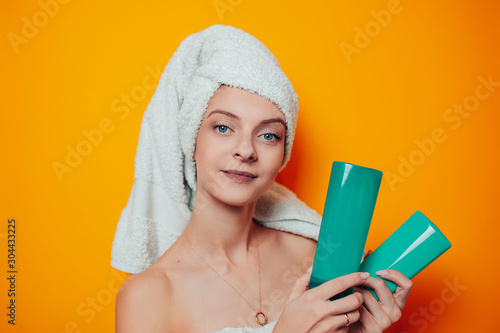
(227, 271)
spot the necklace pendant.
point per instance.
(258, 316)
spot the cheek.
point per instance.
(208, 151)
(202, 145)
(273, 159)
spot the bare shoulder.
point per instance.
(299, 247)
(143, 302)
(297, 242)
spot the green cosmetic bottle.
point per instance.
(348, 211)
(411, 248)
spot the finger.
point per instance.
(366, 320)
(375, 309)
(338, 285)
(345, 304)
(337, 323)
(351, 317)
(383, 292)
(385, 313)
(404, 285)
(300, 285)
(326, 314)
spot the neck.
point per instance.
(222, 232)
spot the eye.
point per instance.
(221, 128)
(270, 136)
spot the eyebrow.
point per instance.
(227, 113)
(232, 115)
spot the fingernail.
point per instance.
(309, 269)
(365, 275)
(382, 272)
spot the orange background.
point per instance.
(67, 68)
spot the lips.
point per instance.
(239, 176)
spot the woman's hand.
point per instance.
(311, 311)
(377, 316)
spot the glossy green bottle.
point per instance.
(411, 248)
(349, 205)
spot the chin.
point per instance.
(240, 196)
(237, 199)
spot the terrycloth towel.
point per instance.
(162, 197)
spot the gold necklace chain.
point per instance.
(258, 313)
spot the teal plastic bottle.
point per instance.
(411, 248)
(350, 201)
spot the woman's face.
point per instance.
(240, 146)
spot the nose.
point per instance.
(244, 150)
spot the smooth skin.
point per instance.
(243, 132)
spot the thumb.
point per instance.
(301, 285)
